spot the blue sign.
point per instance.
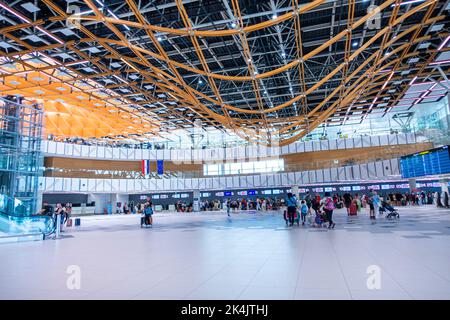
(431, 162)
(228, 193)
(160, 166)
(251, 192)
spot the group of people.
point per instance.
(297, 210)
(63, 211)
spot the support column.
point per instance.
(444, 185)
(294, 191)
(412, 185)
(196, 201)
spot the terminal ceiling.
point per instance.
(270, 71)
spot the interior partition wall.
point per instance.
(21, 159)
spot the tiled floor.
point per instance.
(249, 256)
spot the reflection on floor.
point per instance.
(247, 256)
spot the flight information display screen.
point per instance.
(430, 162)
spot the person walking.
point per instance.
(376, 203)
(328, 207)
(291, 203)
(228, 206)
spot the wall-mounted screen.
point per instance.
(431, 162)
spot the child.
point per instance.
(304, 211)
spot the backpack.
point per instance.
(148, 210)
(304, 209)
(329, 204)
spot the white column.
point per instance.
(294, 191)
(412, 184)
(444, 185)
(196, 201)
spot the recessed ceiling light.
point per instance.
(274, 16)
(38, 91)
(14, 82)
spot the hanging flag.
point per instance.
(160, 166)
(145, 167)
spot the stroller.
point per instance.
(387, 207)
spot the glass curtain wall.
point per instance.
(21, 161)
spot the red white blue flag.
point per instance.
(145, 167)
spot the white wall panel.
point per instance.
(340, 144)
(285, 149)
(116, 153)
(67, 184)
(301, 147)
(333, 144)
(241, 153)
(276, 179)
(341, 174)
(393, 139)
(91, 185)
(174, 185)
(51, 148)
(216, 184)
(100, 152)
(166, 184)
(401, 139)
(292, 147)
(363, 172)
(68, 149)
(291, 178)
(334, 174)
(195, 183)
(131, 154)
(284, 179)
(60, 148)
(159, 154)
(326, 175)
(159, 185)
(324, 145)
(366, 142)
(76, 150)
(236, 181)
(202, 183)
(384, 140)
(151, 155)
(395, 166)
(100, 185)
(356, 172)
(349, 172)
(375, 141)
(315, 145)
(257, 180)
(379, 169)
(166, 154)
(349, 143)
(108, 153)
(357, 142)
(312, 176)
(305, 177)
(371, 170)
(85, 151)
(83, 184)
(308, 146)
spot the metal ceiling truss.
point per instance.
(270, 71)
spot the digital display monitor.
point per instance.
(164, 196)
(219, 194)
(374, 187)
(155, 196)
(302, 190)
(251, 192)
(328, 189)
(185, 195)
(228, 193)
(345, 188)
(267, 192)
(176, 196)
(356, 188)
(206, 194)
(242, 193)
(431, 162)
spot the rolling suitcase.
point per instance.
(69, 223)
(77, 222)
(353, 209)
